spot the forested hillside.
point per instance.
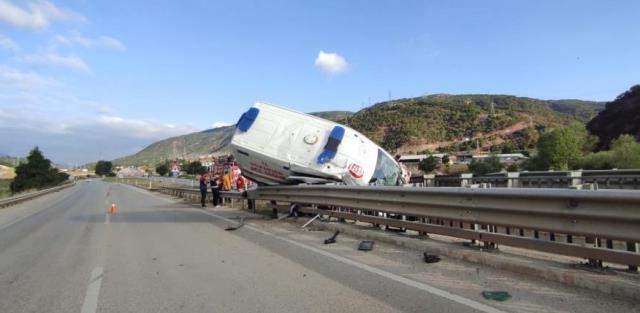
(444, 120)
(621, 116)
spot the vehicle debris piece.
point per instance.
(332, 239)
(496, 295)
(240, 224)
(431, 258)
(366, 245)
(311, 221)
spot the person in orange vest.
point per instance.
(226, 184)
(226, 181)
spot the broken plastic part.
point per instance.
(431, 258)
(366, 245)
(496, 295)
(332, 239)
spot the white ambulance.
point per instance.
(275, 145)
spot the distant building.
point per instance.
(410, 159)
(507, 158)
(131, 172)
(175, 169)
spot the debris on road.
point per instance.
(310, 221)
(496, 295)
(431, 258)
(230, 228)
(366, 245)
(332, 239)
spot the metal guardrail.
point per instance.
(28, 196)
(610, 179)
(567, 222)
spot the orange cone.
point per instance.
(114, 209)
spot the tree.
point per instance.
(394, 138)
(194, 167)
(104, 167)
(162, 169)
(626, 152)
(482, 167)
(428, 164)
(560, 148)
(621, 116)
(36, 173)
(513, 167)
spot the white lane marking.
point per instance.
(107, 218)
(412, 283)
(90, 304)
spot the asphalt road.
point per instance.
(64, 253)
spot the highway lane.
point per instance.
(63, 253)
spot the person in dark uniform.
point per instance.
(203, 190)
(215, 189)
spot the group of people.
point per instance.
(217, 183)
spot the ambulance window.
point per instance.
(387, 171)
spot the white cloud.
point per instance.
(79, 139)
(7, 43)
(14, 79)
(140, 128)
(87, 42)
(35, 14)
(331, 62)
(220, 124)
(70, 61)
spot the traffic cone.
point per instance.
(114, 209)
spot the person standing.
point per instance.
(203, 190)
(215, 190)
(226, 184)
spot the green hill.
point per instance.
(189, 146)
(442, 120)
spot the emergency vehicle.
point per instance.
(275, 145)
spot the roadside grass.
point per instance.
(5, 192)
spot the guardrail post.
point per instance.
(465, 179)
(575, 179)
(429, 180)
(632, 247)
(513, 180)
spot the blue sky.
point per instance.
(102, 79)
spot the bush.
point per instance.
(489, 165)
(513, 167)
(624, 153)
(429, 164)
(194, 168)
